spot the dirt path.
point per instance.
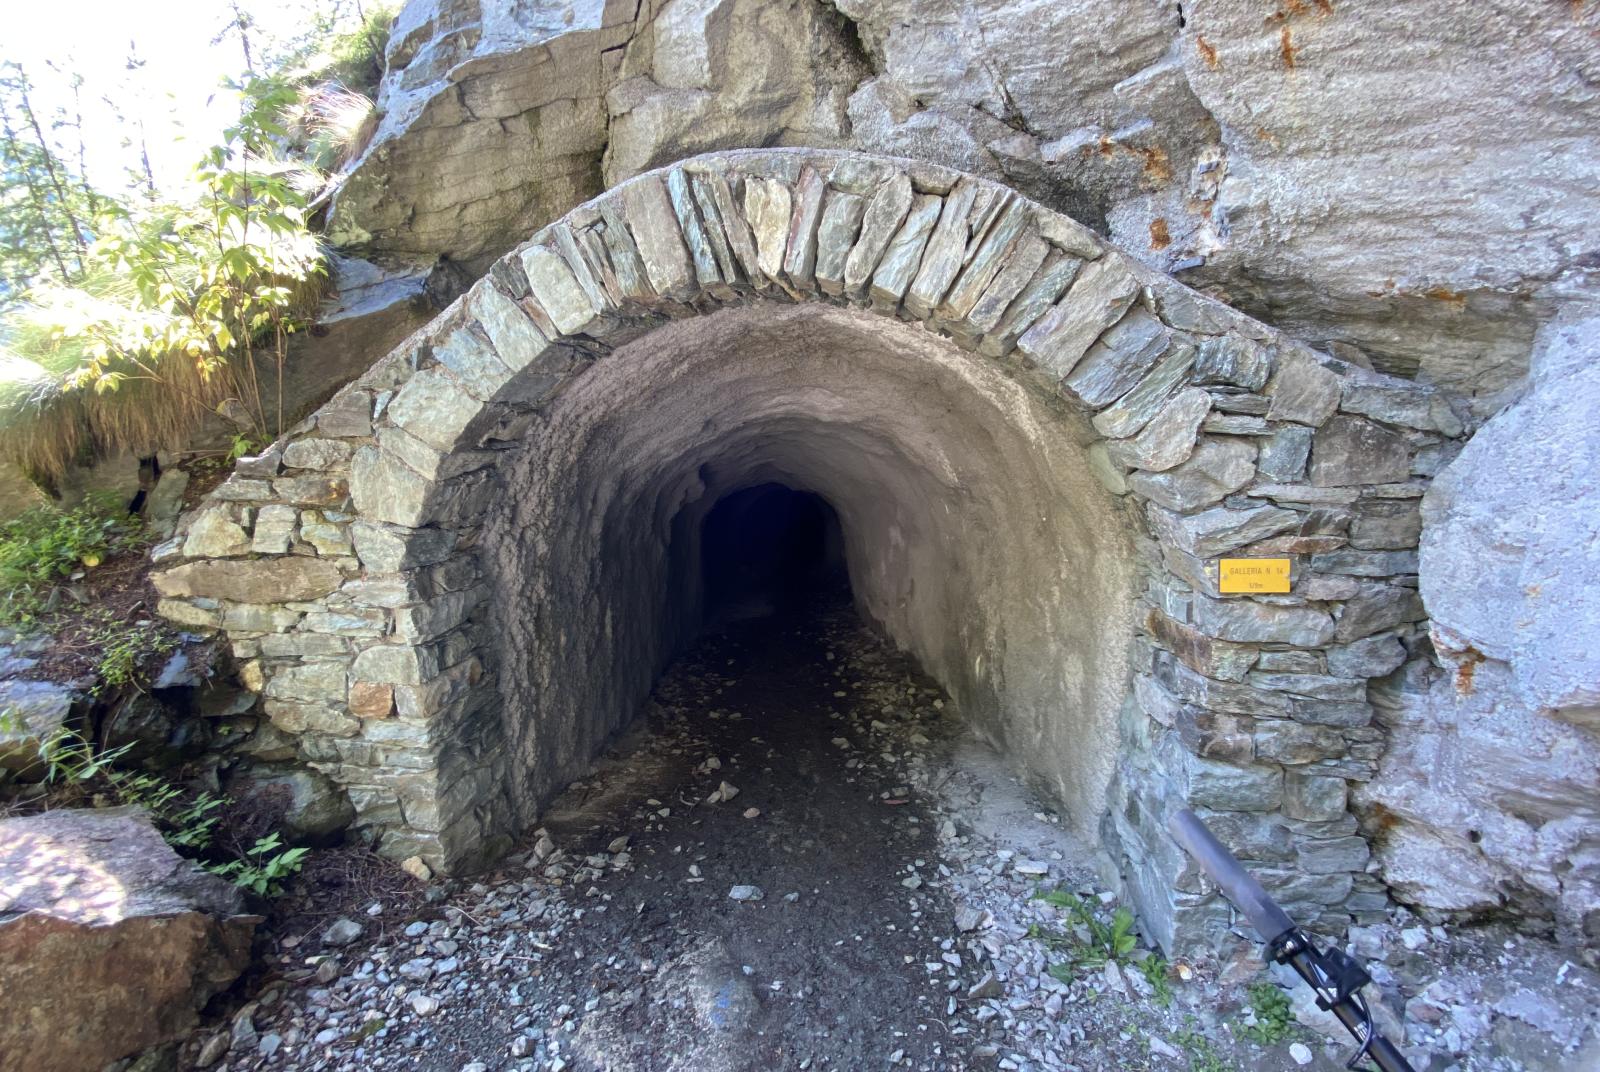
(896, 927)
(828, 965)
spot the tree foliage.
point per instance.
(46, 211)
(128, 320)
(178, 308)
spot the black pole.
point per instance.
(1336, 978)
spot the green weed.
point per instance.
(1273, 1013)
(1203, 1056)
(264, 866)
(1106, 941)
(124, 649)
(186, 820)
(46, 546)
(1154, 968)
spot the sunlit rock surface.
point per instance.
(109, 941)
(1490, 794)
(1421, 190)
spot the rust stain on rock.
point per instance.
(1157, 165)
(1467, 669)
(1160, 238)
(1446, 295)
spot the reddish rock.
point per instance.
(369, 700)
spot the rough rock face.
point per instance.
(727, 74)
(312, 807)
(498, 117)
(1491, 791)
(1415, 186)
(109, 941)
(1419, 189)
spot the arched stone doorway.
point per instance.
(463, 573)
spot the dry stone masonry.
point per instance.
(362, 567)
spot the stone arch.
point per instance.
(353, 565)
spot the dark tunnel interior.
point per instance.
(770, 550)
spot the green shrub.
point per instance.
(264, 867)
(124, 649)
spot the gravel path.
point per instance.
(798, 861)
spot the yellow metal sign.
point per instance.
(1253, 575)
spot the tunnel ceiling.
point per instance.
(464, 571)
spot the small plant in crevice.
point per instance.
(1203, 1056)
(185, 819)
(68, 759)
(1157, 972)
(1090, 942)
(1274, 1015)
(124, 649)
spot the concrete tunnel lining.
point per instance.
(975, 535)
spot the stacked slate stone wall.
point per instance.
(341, 561)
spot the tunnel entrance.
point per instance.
(771, 550)
(462, 577)
(746, 460)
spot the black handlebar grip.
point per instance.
(1236, 883)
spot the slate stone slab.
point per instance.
(899, 263)
(800, 253)
(1169, 437)
(1302, 390)
(1119, 359)
(987, 262)
(836, 236)
(1134, 410)
(654, 226)
(1253, 622)
(1229, 359)
(1284, 454)
(1222, 529)
(1043, 290)
(734, 226)
(885, 213)
(706, 273)
(1216, 469)
(1022, 265)
(947, 247)
(1098, 298)
(1353, 450)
